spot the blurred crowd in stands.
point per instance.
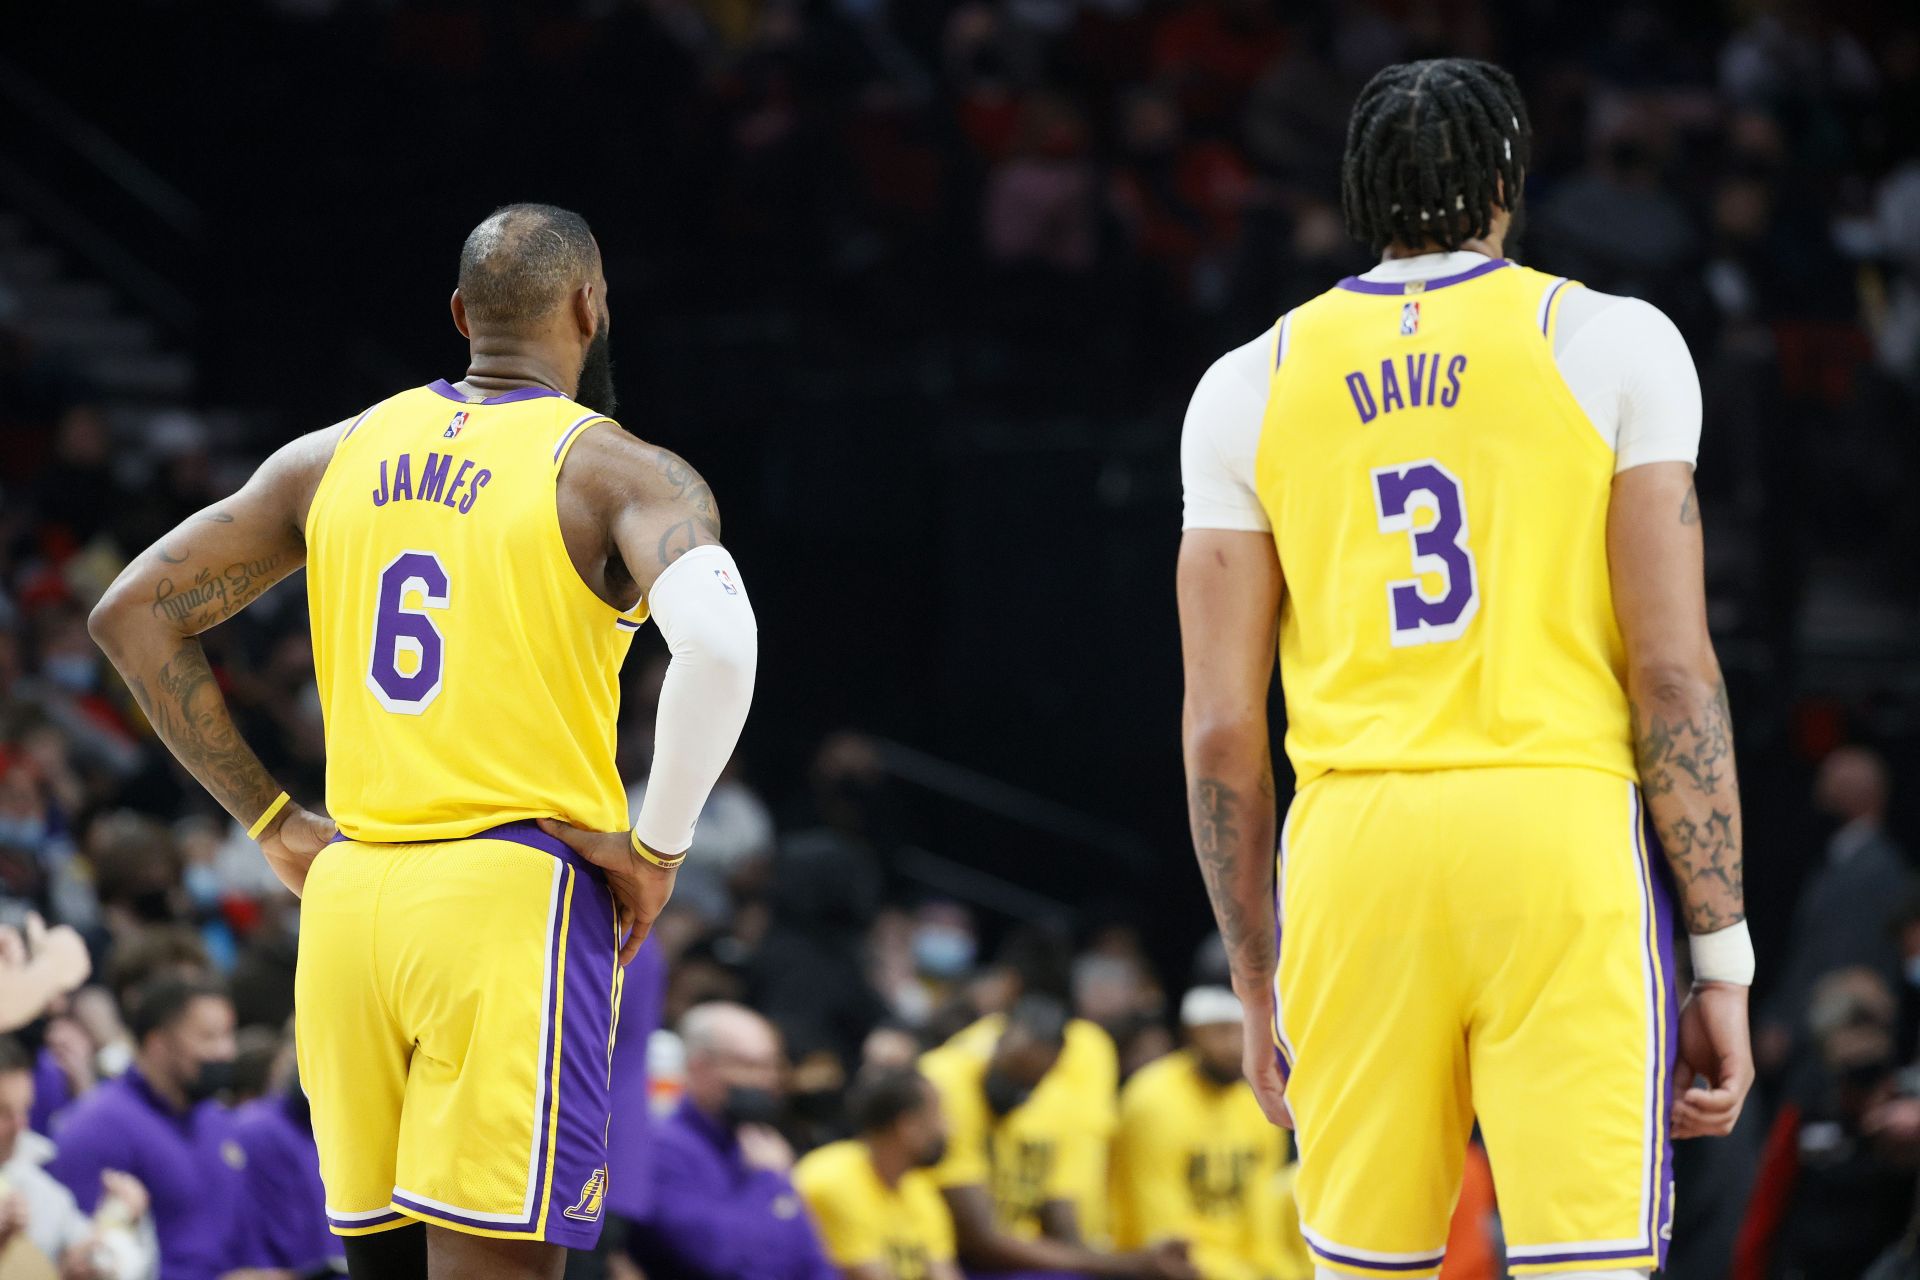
(1080, 202)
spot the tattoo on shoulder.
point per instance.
(1690, 506)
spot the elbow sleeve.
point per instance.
(701, 607)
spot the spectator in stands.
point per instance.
(161, 1123)
(1195, 1160)
(878, 1209)
(38, 1216)
(37, 965)
(275, 1131)
(722, 1205)
(1026, 1161)
(1848, 907)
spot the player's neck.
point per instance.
(498, 367)
(888, 1160)
(1488, 246)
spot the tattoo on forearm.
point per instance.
(187, 710)
(210, 597)
(1684, 750)
(1218, 814)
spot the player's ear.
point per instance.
(459, 306)
(586, 309)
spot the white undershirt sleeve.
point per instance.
(1630, 369)
(701, 608)
(1220, 438)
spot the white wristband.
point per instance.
(1725, 955)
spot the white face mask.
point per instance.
(113, 1059)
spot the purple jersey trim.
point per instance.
(1546, 308)
(441, 386)
(626, 624)
(1395, 288)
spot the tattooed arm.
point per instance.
(640, 522)
(208, 569)
(1230, 588)
(1683, 740)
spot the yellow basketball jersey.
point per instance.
(468, 676)
(1439, 502)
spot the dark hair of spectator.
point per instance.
(518, 264)
(879, 1098)
(162, 1001)
(1040, 1018)
(12, 1057)
(1432, 148)
(1042, 956)
(157, 949)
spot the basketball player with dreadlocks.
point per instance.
(1458, 494)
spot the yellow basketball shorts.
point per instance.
(455, 1010)
(1477, 942)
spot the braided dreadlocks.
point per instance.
(1431, 148)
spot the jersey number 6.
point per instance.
(1403, 493)
(408, 688)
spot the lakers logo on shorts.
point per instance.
(587, 1207)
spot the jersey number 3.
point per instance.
(409, 654)
(1424, 500)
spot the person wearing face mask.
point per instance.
(877, 1207)
(1194, 1159)
(721, 1204)
(162, 1123)
(1020, 1152)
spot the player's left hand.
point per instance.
(640, 889)
(293, 843)
(1714, 1045)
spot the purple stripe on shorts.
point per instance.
(361, 1224)
(1660, 890)
(406, 1201)
(1341, 1259)
(577, 1205)
(1354, 284)
(1604, 1255)
(442, 387)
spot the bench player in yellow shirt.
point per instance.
(1459, 496)
(1194, 1160)
(478, 555)
(879, 1211)
(1021, 1152)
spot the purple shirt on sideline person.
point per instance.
(287, 1205)
(51, 1093)
(630, 1140)
(192, 1167)
(715, 1218)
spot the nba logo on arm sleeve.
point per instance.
(726, 581)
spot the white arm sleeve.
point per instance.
(1630, 369)
(1221, 435)
(701, 608)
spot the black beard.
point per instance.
(595, 391)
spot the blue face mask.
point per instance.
(23, 833)
(203, 884)
(942, 952)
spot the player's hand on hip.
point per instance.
(1261, 1064)
(1714, 1046)
(293, 843)
(640, 889)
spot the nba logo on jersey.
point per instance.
(1409, 320)
(453, 428)
(726, 581)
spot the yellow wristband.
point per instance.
(260, 823)
(664, 861)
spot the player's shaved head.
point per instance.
(523, 261)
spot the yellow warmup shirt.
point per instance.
(1083, 1089)
(905, 1229)
(1199, 1162)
